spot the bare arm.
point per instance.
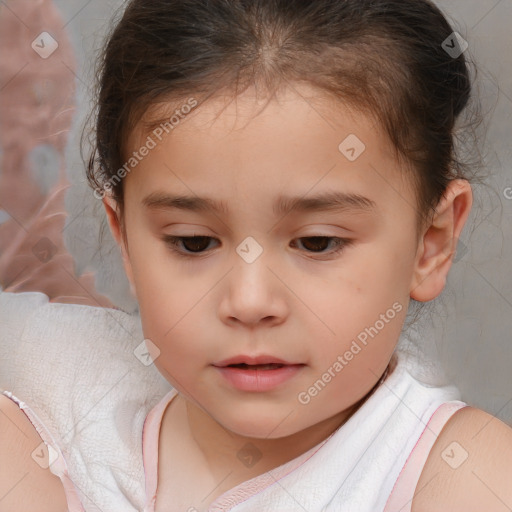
(24, 485)
(469, 468)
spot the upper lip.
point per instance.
(252, 360)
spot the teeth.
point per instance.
(269, 366)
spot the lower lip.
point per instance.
(258, 380)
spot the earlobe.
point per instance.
(437, 246)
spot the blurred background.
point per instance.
(50, 222)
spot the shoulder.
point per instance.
(469, 467)
(24, 484)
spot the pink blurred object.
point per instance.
(37, 103)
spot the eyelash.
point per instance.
(173, 241)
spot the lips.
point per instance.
(257, 373)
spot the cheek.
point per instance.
(166, 298)
(364, 285)
(171, 310)
(359, 353)
(172, 321)
(363, 307)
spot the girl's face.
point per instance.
(256, 187)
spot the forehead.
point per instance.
(300, 139)
(228, 113)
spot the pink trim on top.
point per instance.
(59, 466)
(400, 499)
(150, 438)
(259, 483)
(232, 497)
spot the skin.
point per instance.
(291, 302)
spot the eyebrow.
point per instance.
(327, 201)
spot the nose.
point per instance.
(253, 295)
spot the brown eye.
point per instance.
(319, 244)
(189, 244)
(316, 243)
(195, 243)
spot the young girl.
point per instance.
(281, 179)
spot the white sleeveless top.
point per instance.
(98, 410)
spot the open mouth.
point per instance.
(268, 366)
(258, 377)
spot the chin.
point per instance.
(255, 431)
(259, 426)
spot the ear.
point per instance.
(437, 246)
(117, 230)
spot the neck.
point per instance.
(221, 448)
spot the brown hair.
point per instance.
(383, 57)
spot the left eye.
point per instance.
(317, 244)
(190, 245)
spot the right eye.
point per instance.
(192, 244)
